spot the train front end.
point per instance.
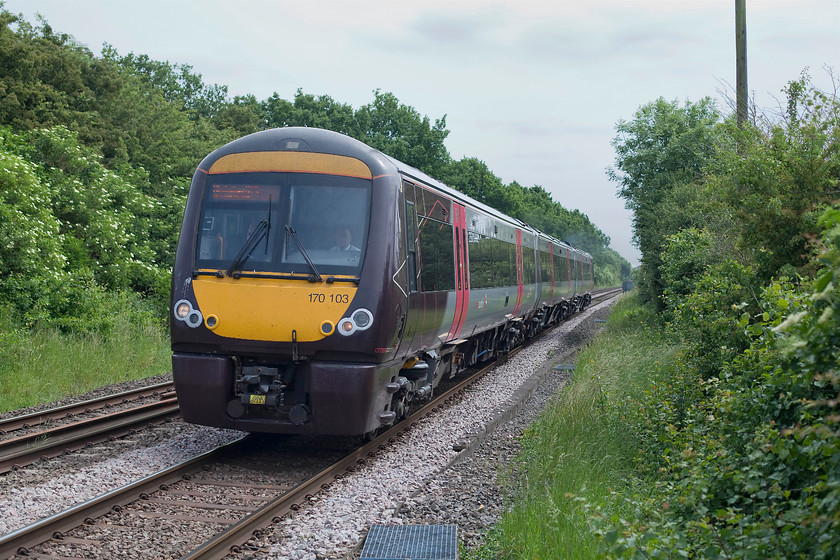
(279, 315)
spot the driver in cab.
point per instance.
(343, 240)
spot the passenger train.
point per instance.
(322, 287)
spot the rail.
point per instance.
(238, 532)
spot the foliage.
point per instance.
(385, 124)
(750, 465)
(610, 267)
(706, 319)
(663, 148)
(399, 131)
(758, 189)
(702, 292)
(31, 259)
(75, 231)
(97, 154)
(686, 256)
(737, 435)
(472, 177)
(311, 111)
(780, 177)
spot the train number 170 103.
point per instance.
(332, 298)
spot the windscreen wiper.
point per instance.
(262, 230)
(250, 244)
(294, 235)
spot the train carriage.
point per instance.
(321, 286)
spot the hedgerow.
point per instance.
(746, 463)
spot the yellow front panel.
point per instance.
(292, 162)
(269, 309)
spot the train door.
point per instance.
(568, 255)
(414, 299)
(462, 271)
(553, 293)
(540, 278)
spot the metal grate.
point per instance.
(411, 542)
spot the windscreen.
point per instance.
(282, 222)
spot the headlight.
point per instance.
(182, 309)
(184, 312)
(363, 319)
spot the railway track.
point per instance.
(198, 492)
(189, 487)
(50, 433)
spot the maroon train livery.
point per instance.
(320, 286)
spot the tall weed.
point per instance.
(45, 364)
(582, 450)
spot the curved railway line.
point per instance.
(209, 490)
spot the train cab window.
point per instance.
(270, 222)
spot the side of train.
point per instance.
(320, 286)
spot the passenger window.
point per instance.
(436, 256)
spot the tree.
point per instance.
(472, 177)
(31, 258)
(307, 110)
(400, 131)
(664, 146)
(45, 78)
(782, 178)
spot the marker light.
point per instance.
(346, 326)
(194, 319)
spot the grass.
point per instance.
(581, 451)
(45, 365)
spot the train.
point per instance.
(323, 287)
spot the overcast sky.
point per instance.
(532, 88)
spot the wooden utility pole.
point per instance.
(741, 66)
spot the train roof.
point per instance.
(415, 173)
(327, 141)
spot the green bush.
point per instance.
(686, 257)
(76, 236)
(707, 318)
(750, 466)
